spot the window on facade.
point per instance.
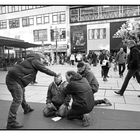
(97, 33)
(62, 17)
(3, 24)
(39, 19)
(14, 23)
(15, 8)
(2, 9)
(31, 7)
(27, 21)
(40, 35)
(55, 17)
(62, 34)
(91, 33)
(10, 9)
(26, 7)
(46, 18)
(23, 8)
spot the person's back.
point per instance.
(24, 72)
(82, 94)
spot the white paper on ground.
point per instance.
(56, 118)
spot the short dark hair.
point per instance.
(80, 64)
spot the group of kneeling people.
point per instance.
(73, 98)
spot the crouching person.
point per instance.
(57, 101)
(82, 96)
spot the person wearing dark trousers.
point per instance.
(133, 66)
(104, 61)
(18, 77)
(121, 60)
(83, 99)
(84, 70)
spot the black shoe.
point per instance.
(119, 93)
(28, 110)
(14, 125)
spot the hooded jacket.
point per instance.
(25, 72)
(81, 93)
(88, 74)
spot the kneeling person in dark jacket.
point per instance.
(57, 101)
(82, 96)
(84, 71)
(18, 77)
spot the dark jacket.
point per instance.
(88, 74)
(81, 93)
(56, 94)
(103, 57)
(134, 58)
(25, 72)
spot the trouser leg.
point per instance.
(17, 94)
(96, 102)
(130, 73)
(120, 69)
(123, 68)
(24, 104)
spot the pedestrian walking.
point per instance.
(18, 77)
(133, 66)
(72, 59)
(121, 61)
(104, 61)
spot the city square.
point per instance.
(123, 114)
(95, 46)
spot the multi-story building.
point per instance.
(44, 25)
(96, 25)
(66, 28)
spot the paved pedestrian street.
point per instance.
(123, 114)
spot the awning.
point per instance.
(16, 43)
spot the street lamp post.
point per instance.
(56, 37)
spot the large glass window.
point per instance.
(97, 33)
(27, 21)
(14, 23)
(40, 35)
(3, 24)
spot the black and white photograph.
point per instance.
(69, 67)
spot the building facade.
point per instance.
(44, 25)
(100, 24)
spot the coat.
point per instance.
(56, 94)
(88, 74)
(134, 58)
(82, 95)
(26, 71)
